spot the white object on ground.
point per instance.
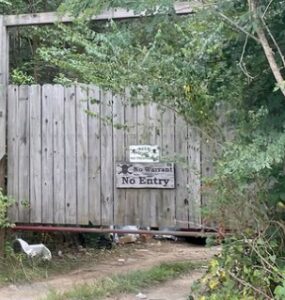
(167, 237)
(35, 250)
(133, 236)
(141, 296)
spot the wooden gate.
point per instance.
(61, 159)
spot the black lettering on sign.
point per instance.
(145, 175)
(125, 180)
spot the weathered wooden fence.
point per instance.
(61, 160)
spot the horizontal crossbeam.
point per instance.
(40, 228)
(53, 17)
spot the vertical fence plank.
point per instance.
(182, 196)
(156, 139)
(119, 155)
(24, 154)
(107, 201)
(144, 137)
(194, 178)
(70, 156)
(47, 155)
(94, 154)
(82, 154)
(58, 154)
(131, 203)
(35, 154)
(167, 204)
(4, 77)
(207, 171)
(13, 162)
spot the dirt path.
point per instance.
(141, 257)
(178, 289)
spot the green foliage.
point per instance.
(19, 77)
(279, 291)
(17, 267)
(144, 57)
(5, 2)
(5, 203)
(245, 270)
(27, 6)
(62, 79)
(25, 66)
(91, 7)
(24, 41)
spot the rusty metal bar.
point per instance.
(36, 228)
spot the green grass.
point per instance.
(131, 282)
(17, 268)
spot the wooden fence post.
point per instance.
(4, 63)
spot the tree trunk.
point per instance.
(253, 4)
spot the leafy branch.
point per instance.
(253, 6)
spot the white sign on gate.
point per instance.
(145, 175)
(144, 153)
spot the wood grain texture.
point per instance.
(58, 154)
(94, 155)
(4, 75)
(62, 160)
(144, 138)
(194, 177)
(107, 167)
(167, 204)
(82, 154)
(70, 156)
(47, 155)
(4, 78)
(131, 215)
(24, 154)
(182, 195)
(207, 171)
(35, 108)
(13, 145)
(155, 139)
(119, 154)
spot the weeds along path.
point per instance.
(138, 257)
(178, 289)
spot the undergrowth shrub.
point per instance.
(5, 203)
(246, 269)
(247, 196)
